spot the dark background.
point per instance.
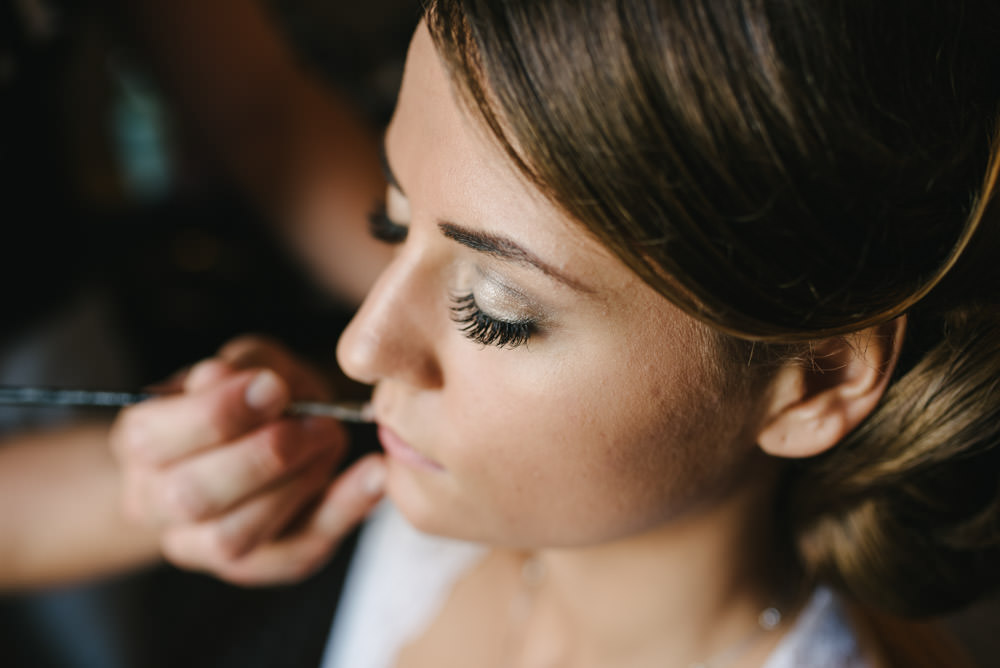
(183, 263)
(104, 195)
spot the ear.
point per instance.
(815, 402)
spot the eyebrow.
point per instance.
(484, 242)
(507, 249)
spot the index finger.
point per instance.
(164, 429)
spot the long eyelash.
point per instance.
(383, 228)
(486, 330)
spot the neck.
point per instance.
(691, 588)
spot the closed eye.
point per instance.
(486, 329)
(383, 228)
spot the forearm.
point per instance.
(223, 67)
(60, 512)
(295, 147)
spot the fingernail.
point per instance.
(374, 480)
(265, 391)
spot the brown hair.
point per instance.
(785, 172)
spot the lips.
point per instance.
(401, 451)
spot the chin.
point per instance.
(418, 504)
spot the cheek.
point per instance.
(580, 448)
(521, 417)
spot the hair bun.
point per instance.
(915, 528)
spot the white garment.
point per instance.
(397, 581)
(400, 577)
(821, 638)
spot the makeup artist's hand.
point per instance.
(235, 488)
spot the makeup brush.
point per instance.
(15, 395)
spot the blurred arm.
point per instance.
(61, 518)
(299, 150)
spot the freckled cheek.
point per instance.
(533, 429)
(504, 414)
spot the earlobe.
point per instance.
(815, 402)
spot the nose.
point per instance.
(393, 333)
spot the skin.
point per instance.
(308, 159)
(297, 148)
(652, 435)
(84, 534)
(612, 443)
(219, 473)
(607, 443)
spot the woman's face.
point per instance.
(602, 415)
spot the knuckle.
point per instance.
(204, 373)
(185, 499)
(273, 450)
(227, 544)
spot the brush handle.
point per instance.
(48, 396)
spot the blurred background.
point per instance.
(130, 250)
